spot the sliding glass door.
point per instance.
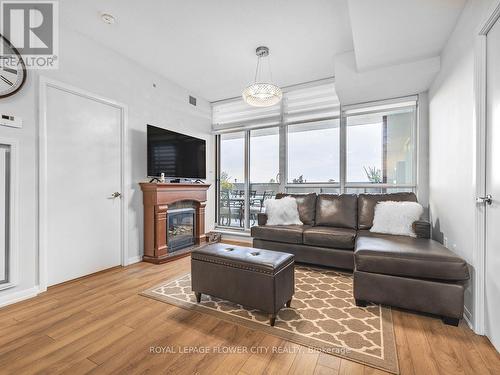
(251, 156)
(231, 178)
(264, 169)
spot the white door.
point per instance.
(83, 169)
(492, 285)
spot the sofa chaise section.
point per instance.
(407, 257)
(412, 273)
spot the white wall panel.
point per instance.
(386, 82)
(3, 212)
(451, 140)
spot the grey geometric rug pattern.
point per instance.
(323, 315)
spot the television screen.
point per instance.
(177, 155)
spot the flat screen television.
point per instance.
(175, 154)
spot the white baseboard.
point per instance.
(19, 296)
(232, 232)
(468, 318)
(136, 259)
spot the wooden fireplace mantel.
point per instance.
(156, 198)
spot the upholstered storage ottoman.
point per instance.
(254, 278)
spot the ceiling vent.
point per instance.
(192, 100)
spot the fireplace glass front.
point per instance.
(180, 230)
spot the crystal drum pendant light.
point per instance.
(262, 94)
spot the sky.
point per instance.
(313, 154)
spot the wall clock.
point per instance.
(12, 69)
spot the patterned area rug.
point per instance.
(323, 316)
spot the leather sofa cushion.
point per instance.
(336, 238)
(279, 233)
(337, 210)
(264, 261)
(367, 203)
(306, 204)
(406, 256)
(318, 255)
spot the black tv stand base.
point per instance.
(177, 181)
(185, 180)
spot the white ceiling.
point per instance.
(208, 47)
(389, 32)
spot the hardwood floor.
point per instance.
(100, 325)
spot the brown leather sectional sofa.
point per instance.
(412, 273)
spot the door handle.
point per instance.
(488, 199)
(116, 195)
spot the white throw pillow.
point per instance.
(282, 211)
(396, 218)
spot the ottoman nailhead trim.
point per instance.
(240, 266)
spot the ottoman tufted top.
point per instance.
(257, 260)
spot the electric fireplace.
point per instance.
(181, 228)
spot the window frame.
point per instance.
(342, 185)
(312, 184)
(246, 177)
(414, 139)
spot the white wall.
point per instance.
(392, 32)
(451, 139)
(393, 81)
(86, 64)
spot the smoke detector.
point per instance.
(108, 18)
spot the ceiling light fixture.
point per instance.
(108, 18)
(262, 93)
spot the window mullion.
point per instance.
(283, 153)
(283, 156)
(343, 148)
(247, 179)
(217, 179)
(415, 145)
